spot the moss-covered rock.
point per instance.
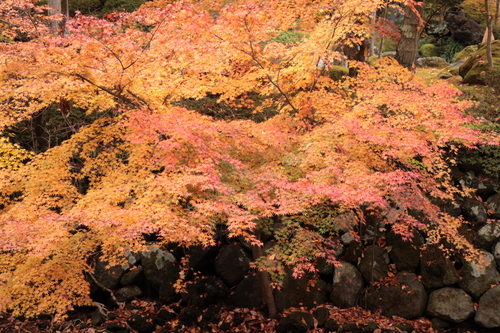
(435, 62)
(465, 53)
(337, 72)
(428, 50)
(474, 70)
(451, 70)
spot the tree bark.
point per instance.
(407, 49)
(489, 33)
(58, 7)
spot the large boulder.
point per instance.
(478, 276)
(464, 30)
(109, 276)
(405, 254)
(308, 291)
(474, 211)
(161, 271)
(374, 264)
(451, 70)
(232, 264)
(465, 53)
(474, 69)
(450, 304)
(405, 298)
(347, 285)
(246, 294)
(489, 234)
(493, 203)
(436, 269)
(488, 312)
(435, 62)
(437, 28)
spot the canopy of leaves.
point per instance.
(376, 142)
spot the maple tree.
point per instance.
(378, 143)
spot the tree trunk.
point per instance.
(489, 33)
(58, 7)
(264, 281)
(407, 49)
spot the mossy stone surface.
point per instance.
(474, 69)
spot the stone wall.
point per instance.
(387, 274)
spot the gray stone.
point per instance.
(407, 298)
(437, 270)
(436, 62)
(127, 293)
(477, 277)
(494, 206)
(347, 285)
(488, 311)
(109, 277)
(308, 291)
(496, 253)
(374, 264)
(405, 254)
(246, 294)
(232, 264)
(465, 30)
(489, 234)
(134, 276)
(450, 304)
(474, 211)
(161, 271)
(437, 28)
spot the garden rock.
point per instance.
(488, 312)
(374, 264)
(308, 291)
(494, 206)
(405, 254)
(295, 322)
(109, 277)
(347, 285)
(474, 211)
(477, 277)
(451, 70)
(437, 270)
(450, 304)
(463, 29)
(437, 28)
(232, 264)
(465, 53)
(473, 70)
(246, 294)
(134, 276)
(128, 293)
(496, 253)
(435, 62)
(405, 298)
(161, 271)
(489, 234)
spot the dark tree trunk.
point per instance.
(407, 49)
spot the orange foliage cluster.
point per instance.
(378, 140)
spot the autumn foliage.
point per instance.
(380, 143)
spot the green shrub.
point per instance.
(120, 5)
(428, 50)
